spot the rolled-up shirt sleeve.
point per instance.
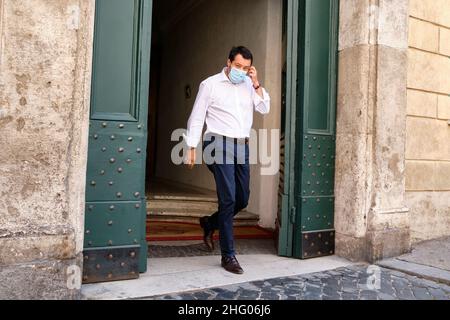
(262, 104)
(197, 119)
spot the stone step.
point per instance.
(244, 218)
(185, 205)
(236, 222)
(189, 209)
(168, 197)
(181, 213)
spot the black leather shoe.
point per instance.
(232, 265)
(208, 235)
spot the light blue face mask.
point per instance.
(237, 76)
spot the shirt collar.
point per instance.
(224, 76)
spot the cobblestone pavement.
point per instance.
(242, 246)
(348, 283)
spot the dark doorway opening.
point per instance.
(190, 42)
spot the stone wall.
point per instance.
(372, 221)
(45, 62)
(428, 127)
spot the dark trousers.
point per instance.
(232, 176)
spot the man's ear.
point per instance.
(228, 63)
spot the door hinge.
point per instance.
(293, 214)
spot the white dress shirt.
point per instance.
(228, 108)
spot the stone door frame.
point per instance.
(372, 221)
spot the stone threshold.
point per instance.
(186, 274)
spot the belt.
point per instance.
(235, 140)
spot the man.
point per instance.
(227, 102)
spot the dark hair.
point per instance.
(246, 53)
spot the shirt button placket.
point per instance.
(239, 111)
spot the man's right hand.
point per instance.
(190, 160)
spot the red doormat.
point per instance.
(176, 231)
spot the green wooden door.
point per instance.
(115, 247)
(308, 203)
(284, 222)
